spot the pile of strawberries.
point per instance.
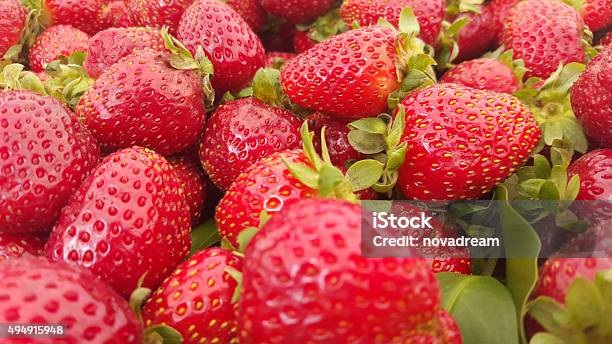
(190, 171)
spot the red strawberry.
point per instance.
(12, 21)
(107, 47)
(607, 39)
(489, 136)
(17, 245)
(56, 41)
(251, 11)
(274, 58)
(450, 328)
(194, 185)
(44, 156)
(141, 100)
(118, 14)
(349, 75)
(157, 14)
(89, 16)
(266, 185)
(241, 132)
(430, 14)
(591, 97)
(279, 37)
(302, 42)
(597, 14)
(594, 170)
(127, 219)
(305, 281)
(544, 33)
(196, 300)
(341, 152)
(234, 49)
(483, 74)
(476, 36)
(33, 290)
(297, 11)
(499, 10)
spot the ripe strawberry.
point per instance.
(544, 33)
(593, 169)
(44, 156)
(606, 40)
(279, 37)
(118, 14)
(483, 74)
(56, 41)
(306, 281)
(266, 185)
(597, 14)
(141, 100)
(349, 75)
(241, 132)
(128, 218)
(499, 10)
(297, 11)
(302, 42)
(234, 49)
(476, 36)
(341, 152)
(491, 134)
(193, 183)
(12, 21)
(451, 330)
(33, 290)
(89, 16)
(196, 300)
(278, 58)
(107, 47)
(157, 14)
(430, 14)
(16, 245)
(591, 98)
(251, 11)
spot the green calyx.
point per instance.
(455, 7)
(328, 25)
(68, 79)
(550, 103)
(13, 77)
(507, 58)
(448, 46)
(415, 61)
(181, 58)
(380, 138)
(33, 26)
(585, 318)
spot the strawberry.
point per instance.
(341, 152)
(143, 100)
(118, 14)
(483, 74)
(593, 169)
(44, 157)
(278, 58)
(128, 218)
(241, 132)
(597, 14)
(499, 10)
(476, 36)
(56, 41)
(279, 37)
(157, 14)
(251, 11)
(33, 290)
(89, 16)
(196, 300)
(591, 97)
(234, 49)
(107, 47)
(297, 11)
(306, 281)
(193, 183)
(14, 245)
(302, 42)
(606, 40)
(308, 35)
(450, 328)
(12, 23)
(491, 134)
(430, 14)
(544, 33)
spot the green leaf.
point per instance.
(369, 125)
(546, 338)
(367, 143)
(329, 178)
(304, 173)
(549, 313)
(266, 86)
(364, 173)
(204, 236)
(481, 306)
(163, 334)
(584, 303)
(541, 167)
(552, 131)
(244, 238)
(397, 157)
(408, 22)
(549, 192)
(397, 128)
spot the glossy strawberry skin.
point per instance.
(544, 33)
(129, 217)
(350, 75)
(157, 14)
(14, 245)
(302, 42)
(594, 170)
(597, 14)
(45, 154)
(429, 13)
(234, 49)
(266, 185)
(483, 74)
(241, 132)
(88, 16)
(196, 299)
(33, 290)
(107, 47)
(452, 332)
(141, 100)
(251, 11)
(462, 141)
(499, 11)
(607, 39)
(340, 150)
(297, 11)
(306, 280)
(118, 14)
(591, 97)
(476, 36)
(194, 185)
(12, 20)
(56, 41)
